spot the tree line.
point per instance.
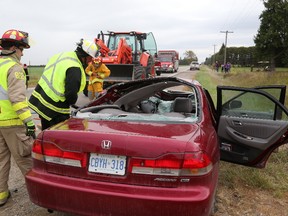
(271, 41)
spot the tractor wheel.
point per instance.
(148, 69)
(138, 71)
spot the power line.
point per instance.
(226, 32)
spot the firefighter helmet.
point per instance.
(97, 60)
(17, 37)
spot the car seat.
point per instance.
(182, 105)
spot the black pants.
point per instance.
(57, 119)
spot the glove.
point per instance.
(30, 129)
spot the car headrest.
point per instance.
(183, 105)
(148, 106)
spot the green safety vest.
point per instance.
(8, 115)
(52, 82)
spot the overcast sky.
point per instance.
(56, 25)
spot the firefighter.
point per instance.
(17, 128)
(97, 72)
(62, 79)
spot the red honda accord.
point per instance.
(152, 147)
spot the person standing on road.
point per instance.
(62, 79)
(97, 72)
(217, 66)
(17, 128)
(27, 74)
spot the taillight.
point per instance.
(50, 152)
(37, 150)
(188, 164)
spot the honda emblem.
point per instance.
(106, 144)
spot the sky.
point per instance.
(57, 25)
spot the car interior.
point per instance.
(159, 101)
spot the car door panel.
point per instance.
(251, 123)
(256, 133)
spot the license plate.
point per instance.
(108, 164)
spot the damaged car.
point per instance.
(153, 147)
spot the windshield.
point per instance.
(114, 41)
(165, 58)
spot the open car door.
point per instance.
(251, 123)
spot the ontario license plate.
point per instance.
(108, 164)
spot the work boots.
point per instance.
(4, 196)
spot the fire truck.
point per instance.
(167, 61)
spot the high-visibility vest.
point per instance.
(52, 82)
(53, 79)
(8, 115)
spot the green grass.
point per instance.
(35, 73)
(242, 77)
(274, 178)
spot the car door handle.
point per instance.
(244, 115)
(243, 136)
(238, 123)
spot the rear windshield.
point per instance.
(173, 104)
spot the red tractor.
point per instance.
(128, 55)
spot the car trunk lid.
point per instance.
(123, 144)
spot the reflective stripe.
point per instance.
(10, 122)
(3, 91)
(96, 80)
(3, 94)
(39, 112)
(25, 115)
(50, 106)
(5, 62)
(20, 105)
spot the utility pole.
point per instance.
(226, 32)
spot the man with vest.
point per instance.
(62, 79)
(17, 129)
(97, 72)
